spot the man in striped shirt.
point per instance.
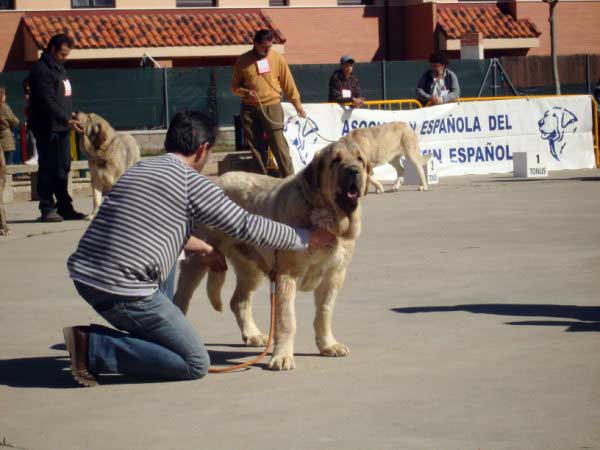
(127, 255)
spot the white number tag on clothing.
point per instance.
(346, 93)
(68, 90)
(444, 92)
(263, 66)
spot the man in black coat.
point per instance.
(50, 119)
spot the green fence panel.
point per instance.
(135, 98)
(127, 98)
(13, 82)
(402, 77)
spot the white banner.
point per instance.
(465, 137)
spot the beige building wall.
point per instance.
(312, 2)
(242, 3)
(42, 5)
(145, 4)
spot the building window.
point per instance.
(278, 2)
(7, 4)
(92, 3)
(195, 3)
(354, 2)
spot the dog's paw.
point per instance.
(395, 188)
(4, 232)
(380, 190)
(90, 217)
(336, 350)
(422, 188)
(258, 340)
(282, 363)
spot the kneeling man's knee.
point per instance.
(198, 365)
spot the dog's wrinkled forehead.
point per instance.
(347, 153)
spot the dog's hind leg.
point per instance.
(396, 164)
(419, 162)
(192, 270)
(249, 277)
(325, 296)
(378, 186)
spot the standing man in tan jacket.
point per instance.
(259, 77)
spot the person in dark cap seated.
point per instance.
(439, 84)
(343, 84)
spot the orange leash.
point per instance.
(271, 329)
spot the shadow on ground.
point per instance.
(53, 371)
(587, 318)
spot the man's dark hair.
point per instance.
(188, 130)
(58, 40)
(263, 35)
(438, 57)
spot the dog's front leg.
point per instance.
(285, 324)
(97, 194)
(325, 296)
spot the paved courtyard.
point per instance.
(472, 313)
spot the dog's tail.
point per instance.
(214, 284)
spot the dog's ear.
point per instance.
(313, 170)
(102, 135)
(567, 118)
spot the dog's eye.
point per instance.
(362, 161)
(336, 161)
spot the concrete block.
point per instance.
(529, 165)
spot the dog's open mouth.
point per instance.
(347, 198)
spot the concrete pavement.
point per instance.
(472, 313)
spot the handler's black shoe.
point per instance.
(73, 215)
(77, 342)
(51, 216)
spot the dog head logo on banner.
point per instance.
(554, 125)
(301, 133)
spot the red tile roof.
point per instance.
(488, 20)
(116, 30)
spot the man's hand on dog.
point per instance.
(75, 125)
(320, 239)
(211, 257)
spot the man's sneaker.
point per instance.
(77, 342)
(51, 216)
(73, 215)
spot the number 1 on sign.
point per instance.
(537, 157)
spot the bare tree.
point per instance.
(552, 4)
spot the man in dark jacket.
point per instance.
(439, 84)
(50, 120)
(343, 84)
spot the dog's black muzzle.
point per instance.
(349, 193)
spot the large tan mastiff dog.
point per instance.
(109, 154)
(326, 194)
(386, 144)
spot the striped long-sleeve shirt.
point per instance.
(148, 216)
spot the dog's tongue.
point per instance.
(352, 194)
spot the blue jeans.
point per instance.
(160, 343)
